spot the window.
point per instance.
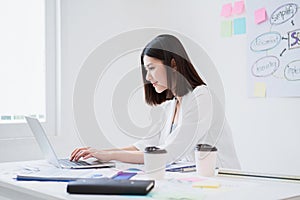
(28, 65)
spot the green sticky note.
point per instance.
(226, 28)
(260, 89)
(239, 26)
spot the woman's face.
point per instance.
(156, 73)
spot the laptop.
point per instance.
(49, 154)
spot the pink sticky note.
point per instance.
(226, 10)
(238, 8)
(260, 15)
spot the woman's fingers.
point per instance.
(80, 154)
(76, 152)
(98, 154)
(88, 152)
(88, 156)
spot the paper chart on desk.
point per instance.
(173, 189)
(8, 169)
(66, 174)
(183, 187)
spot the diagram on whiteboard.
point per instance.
(273, 48)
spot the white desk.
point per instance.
(175, 185)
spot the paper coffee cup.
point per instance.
(206, 158)
(155, 162)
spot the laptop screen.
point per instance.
(42, 140)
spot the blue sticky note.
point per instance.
(239, 26)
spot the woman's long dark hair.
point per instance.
(167, 48)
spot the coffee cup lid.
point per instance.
(205, 147)
(154, 149)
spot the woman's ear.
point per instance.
(173, 65)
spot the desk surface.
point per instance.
(175, 184)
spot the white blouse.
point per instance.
(200, 120)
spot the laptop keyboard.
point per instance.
(67, 162)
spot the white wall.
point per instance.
(265, 131)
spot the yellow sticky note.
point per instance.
(206, 184)
(260, 89)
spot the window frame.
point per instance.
(19, 131)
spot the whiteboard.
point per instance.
(273, 48)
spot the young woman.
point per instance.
(171, 81)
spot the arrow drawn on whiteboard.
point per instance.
(283, 51)
(283, 38)
(293, 22)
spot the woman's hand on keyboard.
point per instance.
(88, 152)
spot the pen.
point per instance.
(183, 169)
(19, 178)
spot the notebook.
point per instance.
(49, 154)
(110, 186)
